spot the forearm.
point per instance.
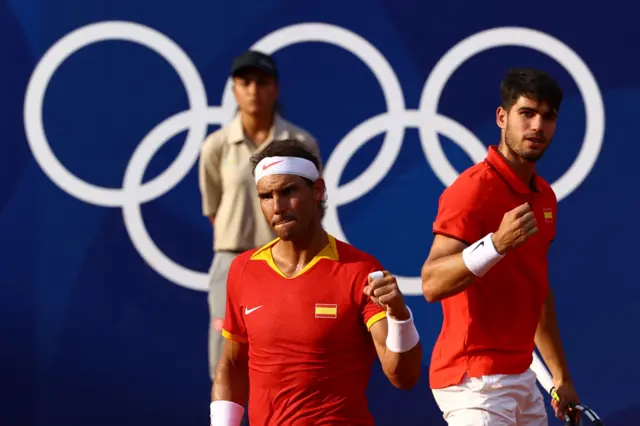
(445, 277)
(452, 272)
(549, 343)
(403, 369)
(231, 383)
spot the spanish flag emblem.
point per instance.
(548, 215)
(324, 310)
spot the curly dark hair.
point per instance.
(531, 83)
(290, 148)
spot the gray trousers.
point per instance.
(217, 303)
(218, 273)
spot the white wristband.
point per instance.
(226, 413)
(481, 256)
(402, 336)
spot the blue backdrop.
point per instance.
(105, 320)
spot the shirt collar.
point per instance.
(278, 130)
(504, 169)
(330, 252)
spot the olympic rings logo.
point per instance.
(393, 123)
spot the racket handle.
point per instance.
(568, 421)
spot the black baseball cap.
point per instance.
(257, 60)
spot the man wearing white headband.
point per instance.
(306, 314)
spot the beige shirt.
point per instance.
(228, 188)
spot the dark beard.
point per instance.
(530, 157)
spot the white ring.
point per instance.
(131, 213)
(49, 64)
(374, 60)
(522, 37)
(362, 134)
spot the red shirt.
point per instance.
(310, 351)
(489, 328)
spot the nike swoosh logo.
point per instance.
(266, 166)
(479, 245)
(248, 311)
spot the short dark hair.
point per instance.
(289, 148)
(531, 83)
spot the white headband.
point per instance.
(286, 166)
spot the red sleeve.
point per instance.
(460, 212)
(234, 327)
(371, 313)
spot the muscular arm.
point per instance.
(444, 273)
(231, 382)
(549, 343)
(402, 369)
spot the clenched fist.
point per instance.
(384, 292)
(517, 226)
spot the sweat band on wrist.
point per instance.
(226, 413)
(402, 336)
(481, 256)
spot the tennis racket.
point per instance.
(585, 412)
(545, 379)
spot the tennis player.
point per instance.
(488, 266)
(304, 317)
